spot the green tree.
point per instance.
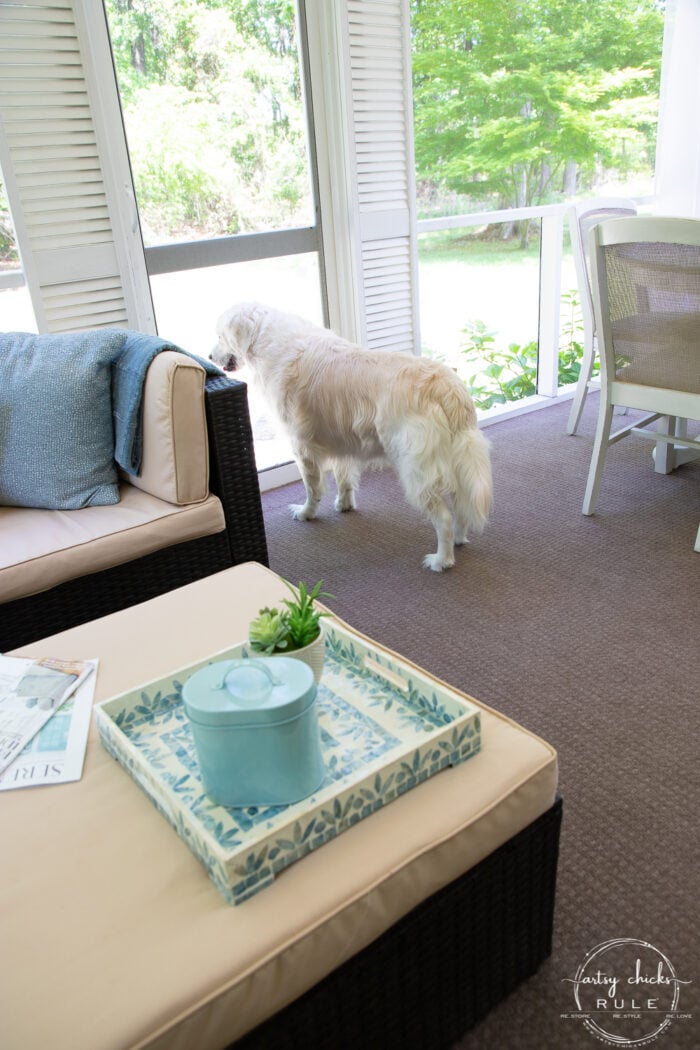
(213, 111)
(511, 97)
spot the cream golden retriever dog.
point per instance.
(344, 408)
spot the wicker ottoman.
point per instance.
(400, 932)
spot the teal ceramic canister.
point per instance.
(255, 728)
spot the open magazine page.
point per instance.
(55, 755)
(31, 692)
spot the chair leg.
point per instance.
(664, 452)
(600, 447)
(679, 454)
(684, 454)
(584, 379)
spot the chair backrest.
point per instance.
(645, 275)
(582, 218)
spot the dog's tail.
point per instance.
(473, 490)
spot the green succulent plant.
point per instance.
(268, 633)
(297, 625)
(303, 621)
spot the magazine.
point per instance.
(55, 755)
(31, 692)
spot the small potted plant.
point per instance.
(293, 631)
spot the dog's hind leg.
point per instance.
(461, 528)
(439, 513)
(435, 506)
(347, 478)
(312, 476)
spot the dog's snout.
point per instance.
(224, 357)
(229, 364)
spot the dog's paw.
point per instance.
(461, 538)
(302, 512)
(436, 563)
(344, 503)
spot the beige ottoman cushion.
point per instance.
(108, 913)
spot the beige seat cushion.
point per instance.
(127, 919)
(175, 462)
(42, 548)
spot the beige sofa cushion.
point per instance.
(128, 919)
(175, 463)
(42, 548)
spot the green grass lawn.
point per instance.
(462, 280)
(447, 245)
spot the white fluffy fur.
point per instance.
(344, 407)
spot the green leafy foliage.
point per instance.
(510, 374)
(303, 620)
(504, 375)
(510, 98)
(513, 101)
(214, 115)
(292, 628)
(268, 633)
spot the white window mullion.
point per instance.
(339, 219)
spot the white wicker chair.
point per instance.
(645, 277)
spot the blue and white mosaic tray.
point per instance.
(385, 727)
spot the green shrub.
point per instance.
(510, 374)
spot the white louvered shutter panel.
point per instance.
(381, 131)
(66, 169)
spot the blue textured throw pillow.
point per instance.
(56, 429)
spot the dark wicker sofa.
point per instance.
(233, 478)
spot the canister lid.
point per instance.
(249, 691)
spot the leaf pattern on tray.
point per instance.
(378, 740)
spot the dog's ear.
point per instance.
(239, 326)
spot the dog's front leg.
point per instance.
(347, 478)
(312, 477)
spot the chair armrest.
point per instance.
(174, 465)
(233, 475)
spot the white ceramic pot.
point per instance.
(312, 654)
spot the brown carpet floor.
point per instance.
(584, 630)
